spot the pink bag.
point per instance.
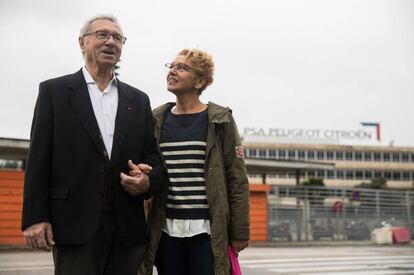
(234, 262)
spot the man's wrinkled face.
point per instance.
(101, 46)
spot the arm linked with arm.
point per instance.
(152, 156)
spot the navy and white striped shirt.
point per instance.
(183, 145)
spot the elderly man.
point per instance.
(83, 197)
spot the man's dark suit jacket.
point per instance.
(68, 165)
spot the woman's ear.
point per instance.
(200, 82)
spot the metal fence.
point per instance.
(298, 213)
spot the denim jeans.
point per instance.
(185, 256)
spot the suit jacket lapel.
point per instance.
(123, 117)
(82, 105)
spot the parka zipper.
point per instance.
(212, 132)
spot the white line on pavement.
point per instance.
(329, 263)
(322, 259)
(364, 272)
(353, 267)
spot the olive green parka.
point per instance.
(226, 186)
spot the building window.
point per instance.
(406, 175)
(292, 154)
(396, 157)
(330, 174)
(339, 174)
(368, 156)
(397, 175)
(348, 155)
(262, 153)
(387, 157)
(301, 154)
(272, 154)
(330, 155)
(311, 155)
(368, 174)
(388, 175)
(358, 156)
(252, 153)
(339, 155)
(404, 157)
(349, 174)
(377, 156)
(320, 155)
(320, 173)
(282, 154)
(378, 174)
(358, 175)
(6, 164)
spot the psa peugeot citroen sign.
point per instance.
(368, 133)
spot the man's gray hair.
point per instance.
(86, 27)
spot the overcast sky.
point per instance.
(293, 64)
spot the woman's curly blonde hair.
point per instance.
(202, 63)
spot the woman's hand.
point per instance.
(238, 246)
(136, 170)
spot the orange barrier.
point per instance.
(11, 198)
(400, 235)
(258, 212)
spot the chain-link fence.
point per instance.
(298, 213)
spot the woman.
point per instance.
(205, 206)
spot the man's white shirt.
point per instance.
(105, 106)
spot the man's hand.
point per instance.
(238, 246)
(136, 170)
(39, 236)
(137, 182)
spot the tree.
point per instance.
(315, 195)
(379, 183)
(375, 183)
(313, 182)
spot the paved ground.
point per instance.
(355, 260)
(324, 260)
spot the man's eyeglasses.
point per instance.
(180, 67)
(103, 35)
